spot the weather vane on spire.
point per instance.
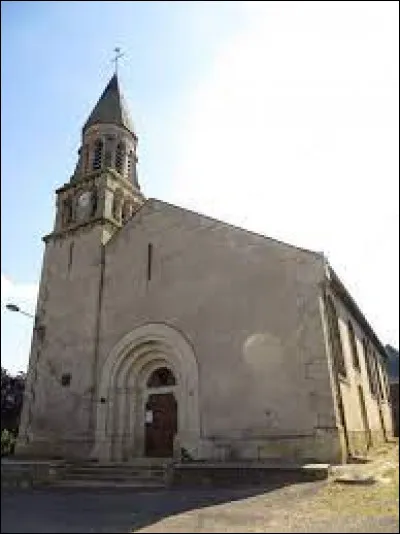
(118, 55)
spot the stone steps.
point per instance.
(95, 483)
(113, 475)
(120, 471)
(148, 474)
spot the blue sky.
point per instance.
(56, 60)
(279, 117)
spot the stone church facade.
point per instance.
(161, 332)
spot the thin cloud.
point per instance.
(18, 293)
(294, 133)
(16, 329)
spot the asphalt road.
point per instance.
(115, 510)
(124, 510)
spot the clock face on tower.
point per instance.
(84, 199)
(83, 205)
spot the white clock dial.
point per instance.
(84, 199)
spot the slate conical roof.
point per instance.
(111, 108)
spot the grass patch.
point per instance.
(377, 499)
(380, 498)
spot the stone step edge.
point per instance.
(110, 476)
(106, 483)
(114, 470)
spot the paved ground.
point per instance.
(324, 506)
(218, 510)
(117, 510)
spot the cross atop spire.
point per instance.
(118, 55)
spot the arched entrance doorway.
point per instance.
(148, 397)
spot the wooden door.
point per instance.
(161, 425)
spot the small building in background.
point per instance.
(393, 373)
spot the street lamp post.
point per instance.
(15, 308)
(37, 328)
(40, 332)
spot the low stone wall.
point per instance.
(25, 474)
(321, 446)
(229, 474)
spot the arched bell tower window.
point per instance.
(161, 377)
(98, 154)
(119, 157)
(85, 159)
(130, 165)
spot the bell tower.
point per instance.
(58, 416)
(104, 187)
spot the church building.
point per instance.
(164, 333)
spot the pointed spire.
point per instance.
(111, 108)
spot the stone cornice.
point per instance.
(88, 178)
(88, 225)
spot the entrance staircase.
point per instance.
(147, 474)
(150, 474)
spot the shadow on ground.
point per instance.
(113, 510)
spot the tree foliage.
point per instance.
(12, 393)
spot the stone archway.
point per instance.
(123, 392)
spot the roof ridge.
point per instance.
(233, 226)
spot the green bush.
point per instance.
(7, 442)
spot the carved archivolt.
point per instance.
(123, 385)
